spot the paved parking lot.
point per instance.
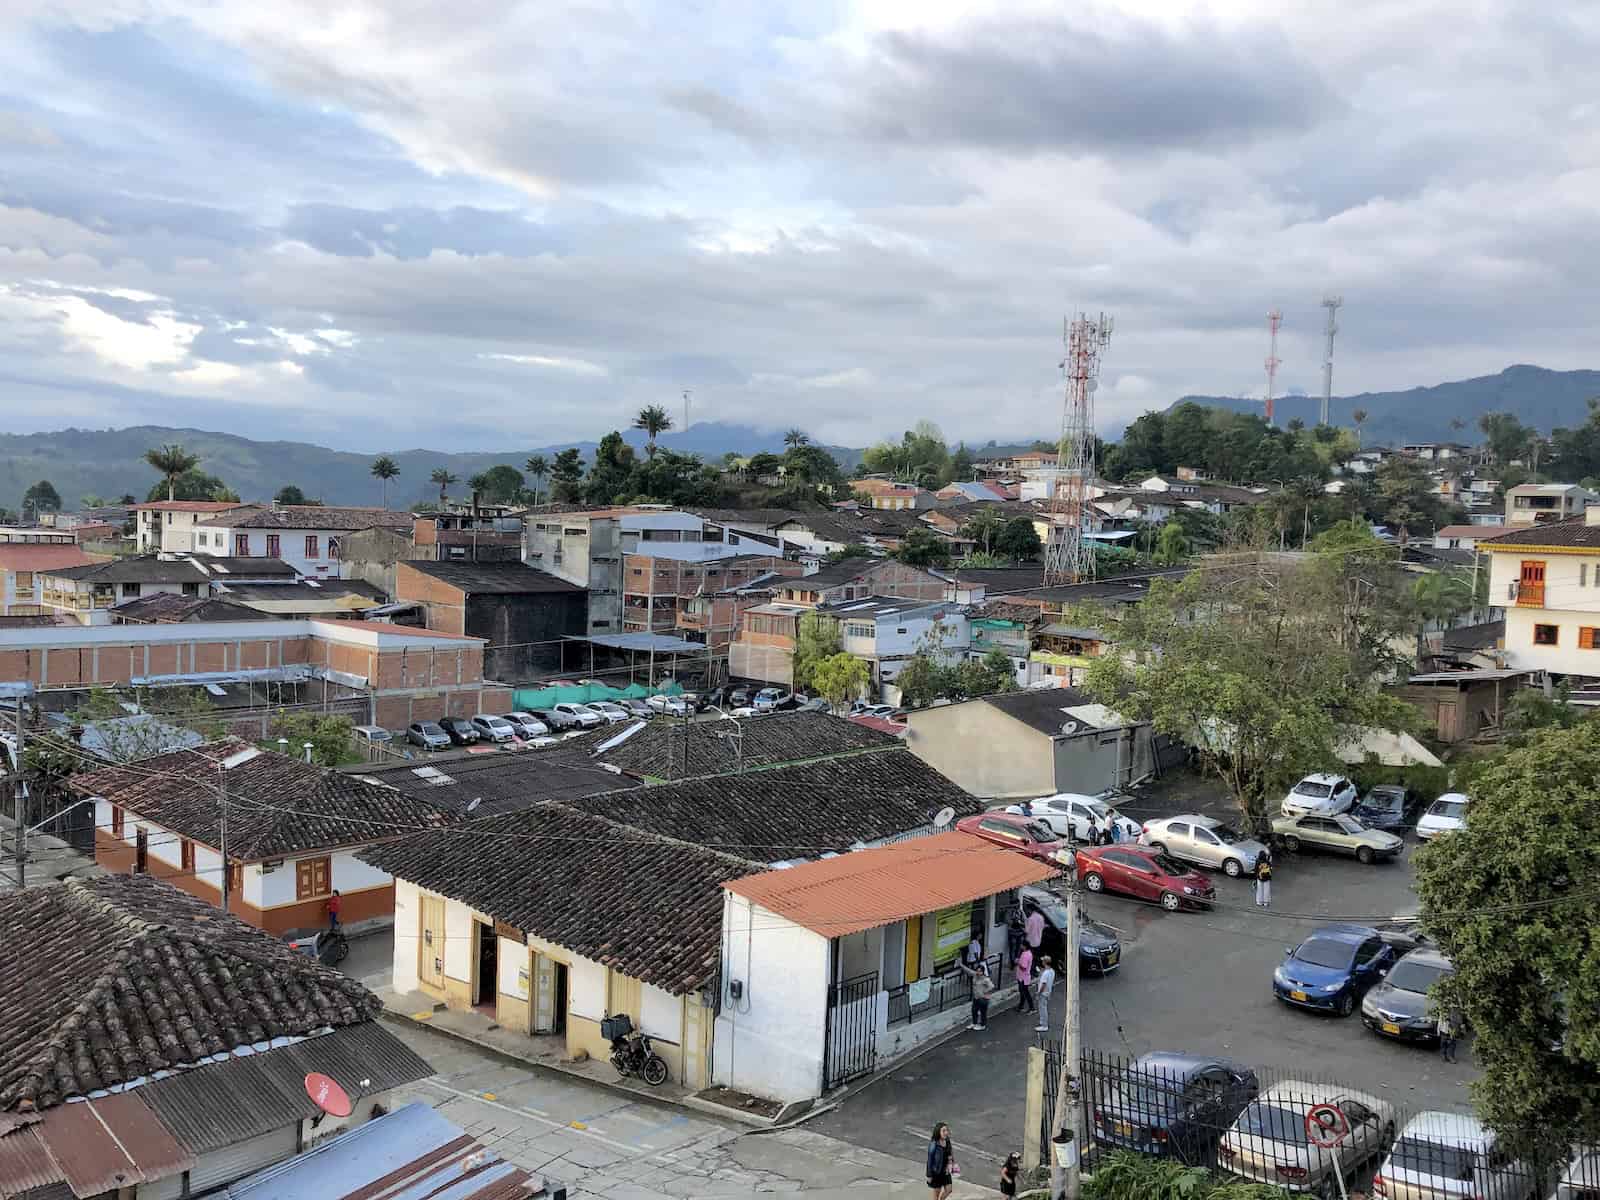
(1189, 981)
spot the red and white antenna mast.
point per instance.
(1069, 554)
(1274, 319)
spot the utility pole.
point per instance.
(1067, 1142)
(19, 807)
(1332, 303)
(222, 840)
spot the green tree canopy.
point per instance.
(1513, 902)
(763, 464)
(816, 639)
(385, 468)
(192, 485)
(291, 494)
(984, 526)
(500, 484)
(654, 421)
(538, 468)
(332, 738)
(840, 677)
(1172, 546)
(1019, 540)
(566, 476)
(610, 472)
(443, 477)
(923, 548)
(41, 497)
(171, 461)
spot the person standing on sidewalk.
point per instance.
(1449, 1031)
(1025, 982)
(1033, 931)
(335, 902)
(1263, 880)
(982, 989)
(941, 1162)
(1042, 987)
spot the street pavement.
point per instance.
(1198, 982)
(607, 1145)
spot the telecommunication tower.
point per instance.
(1274, 319)
(1331, 303)
(1069, 555)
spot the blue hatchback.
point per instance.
(1333, 968)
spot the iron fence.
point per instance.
(911, 1001)
(850, 1044)
(1265, 1126)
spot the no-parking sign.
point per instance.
(1327, 1126)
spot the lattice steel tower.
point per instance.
(1069, 554)
(1274, 319)
(1332, 304)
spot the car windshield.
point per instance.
(1384, 801)
(1275, 1123)
(1409, 975)
(1053, 911)
(1437, 1159)
(1453, 809)
(1225, 834)
(1040, 832)
(1319, 790)
(1349, 825)
(1098, 808)
(1325, 952)
(429, 727)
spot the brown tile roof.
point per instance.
(277, 805)
(194, 506)
(658, 749)
(309, 516)
(1474, 531)
(169, 608)
(1571, 533)
(646, 905)
(21, 556)
(106, 980)
(869, 888)
(144, 569)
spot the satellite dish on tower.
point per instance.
(944, 816)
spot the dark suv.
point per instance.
(1169, 1104)
(460, 730)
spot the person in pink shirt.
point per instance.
(1033, 931)
(1025, 982)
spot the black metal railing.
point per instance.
(944, 991)
(850, 1044)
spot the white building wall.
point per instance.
(291, 547)
(277, 885)
(350, 874)
(1572, 603)
(769, 1041)
(661, 1014)
(586, 989)
(407, 930)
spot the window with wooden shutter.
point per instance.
(1586, 637)
(235, 880)
(186, 855)
(1546, 635)
(116, 820)
(311, 877)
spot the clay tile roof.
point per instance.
(278, 805)
(26, 557)
(106, 980)
(194, 506)
(648, 906)
(658, 749)
(1572, 533)
(869, 888)
(309, 516)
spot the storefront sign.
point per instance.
(952, 930)
(510, 932)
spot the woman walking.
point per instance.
(941, 1162)
(1263, 880)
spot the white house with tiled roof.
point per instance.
(1548, 578)
(168, 525)
(307, 536)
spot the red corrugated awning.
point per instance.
(102, 1145)
(25, 1162)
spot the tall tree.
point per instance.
(171, 461)
(290, 494)
(795, 438)
(1505, 436)
(1359, 417)
(983, 526)
(566, 475)
(611, 472)
(41, 497)
(385, 468)
(840, 677)
(446, 481)
(654, 421)
(1019, 540)
(1172, 547)
(816, 639)
(500, 484)
(1512, 901)
(923, 548)
(193, 484)
(537, 467)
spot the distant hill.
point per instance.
(1543, 399)
(110, 462)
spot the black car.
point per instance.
(1398, 1007)
(460, 730)
(1168, 1104)
(1099, 950)
(1388, 806)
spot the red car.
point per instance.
(1145, 873)
(1029, 835)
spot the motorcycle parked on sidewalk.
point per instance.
(631, 1052)
(328, 947)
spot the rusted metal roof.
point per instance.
(868, 888)
(25, 1162)
(103, 1145)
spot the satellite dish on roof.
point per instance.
(328, 1095)
(476, 800)
(944, 816)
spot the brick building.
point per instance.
(656, 589)
(520, 612)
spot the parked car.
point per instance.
(739, 697)
(1333, 968)
(494, 729)
(862, 708)
(428, 735)
(1452, 1156)
(1445, 815)
(1268, 1141)
(1398, 1007)
(1077, 816)
(673, 706)
(1144, 873)
(1031, 837)
(1099, 948)
(1323, 795)
(375, 735)
(1387, 806)
(528, 725)
(582, 715)
(638, 708)
(1176, 1105)
(817, 704)
(1581, 1179)
(611, 714)
(772, 699)
(1203, 840)
(1342, 834)
(460, 730)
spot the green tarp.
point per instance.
(531, 699)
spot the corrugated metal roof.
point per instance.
(219, 1105)
(103, 1145)
(868, 888)
(411, 1154)
(25, 1162)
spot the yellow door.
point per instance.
(430, 965)
(913, 949)
(622, 996)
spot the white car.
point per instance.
(1451, 1156)
(1076, 816)
(674, 706)
(1582, 1176)
(771, 699)
(579, 715)
(1320, 796)
(1445, 815)
(494, 729)
(528, 725)
(611, 714)
(1268, 1142)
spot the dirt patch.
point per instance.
(743, 1101)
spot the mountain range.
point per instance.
(110, 462)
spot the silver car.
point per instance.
(1453, 1156)
(1268, 1143)
(1203, 840)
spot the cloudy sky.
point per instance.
(395, 223)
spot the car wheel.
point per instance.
(1170, 901)
(1364, 854)
(1233, 868)
(1158, 847)
(1094, 883)
(1291, 843)
(1347, 1004)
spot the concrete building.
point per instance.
(522, 614)
(22, 567)
(887, 494)
(657, 587)
(886, 632)
(1466, 537)
(370, 555)
(167, 526)
(1536, 503)
(307, 536)
(87, 594)
(1548, 578)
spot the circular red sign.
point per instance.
(1326, 1125)
(327, 1095)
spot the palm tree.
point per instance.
(538, 466)
(794, 439)
(479, 482)
(385, 468)
(653, 420)
(171, 461)
(1360, 418)
(446, 481)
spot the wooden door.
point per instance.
(430, 965)
(913, 949)
(1531, 589)
(141, 850)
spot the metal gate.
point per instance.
(850, 1047)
